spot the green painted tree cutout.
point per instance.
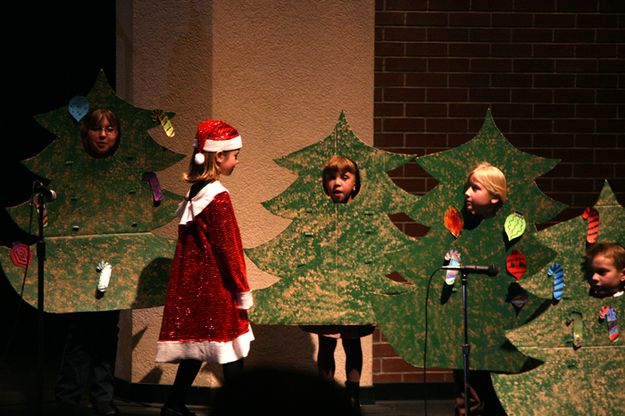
(331, 258)
(425, 327)
(104, 212)
(572, 380)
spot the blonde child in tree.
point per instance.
(486, 190)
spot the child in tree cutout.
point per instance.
(105, 210)
(341, 182)
(578, 350)
(320, 283)
(486, 191)
(425, 327)
(88, 361)
(205, 318)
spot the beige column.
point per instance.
(280, 71)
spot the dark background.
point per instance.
(51, 52)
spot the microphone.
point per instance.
(490, 270)
(40, 188)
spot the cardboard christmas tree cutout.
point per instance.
(425, 327)
(99, 227)
(582, 354)
(331, 259)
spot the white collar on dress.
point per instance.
(189, 208)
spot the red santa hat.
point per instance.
(215, 136)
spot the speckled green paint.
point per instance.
(586, 381)
(104, 211)
(425, 327)
(140, 267)
(332, 257)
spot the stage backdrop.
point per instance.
(281, 72)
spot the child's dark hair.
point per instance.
(340, 164)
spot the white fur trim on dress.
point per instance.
(188, 209)
(245, 300)
(205, 351)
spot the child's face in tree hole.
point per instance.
(478, 200)
(340, 186)
(604, 278)
(101, 139)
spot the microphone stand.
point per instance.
(41, 257)
(466, 348)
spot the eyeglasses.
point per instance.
(105, 129)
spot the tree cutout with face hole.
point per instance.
(425, 327)
(104, 213)
(331, 259)
(571, 380)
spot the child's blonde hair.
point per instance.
(609, 249)
(206, 172)
(492, 178)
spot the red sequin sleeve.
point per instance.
(225, 239)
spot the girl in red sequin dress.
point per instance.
(205, 315)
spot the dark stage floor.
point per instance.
(380, 408)
(27, 374)
(21, 396)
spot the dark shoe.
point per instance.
(354, 403)
(353, 392)
(168, 410)
(68, 408)
(105, 409)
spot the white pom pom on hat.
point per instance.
(215, 136)
(199, 158)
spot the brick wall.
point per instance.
(552, 72)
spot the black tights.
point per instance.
(353, 357)
(188, 370)
(232, 370)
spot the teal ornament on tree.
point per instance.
(78, 107)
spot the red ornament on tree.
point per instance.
(454, 221)
(516, 264)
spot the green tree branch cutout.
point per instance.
(104, 212)
(585, 380)
(425, 326)
(332, 258)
